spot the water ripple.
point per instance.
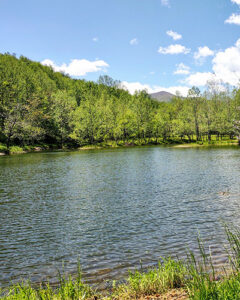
(114, 210)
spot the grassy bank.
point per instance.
(15, 149)
(171, 279)
(176, 142)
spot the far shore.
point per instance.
(196, 145)
(114, 145)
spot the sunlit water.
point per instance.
(114, 210)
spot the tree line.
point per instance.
(38, 105)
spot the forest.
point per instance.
(40, 106)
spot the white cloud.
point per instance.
(165, 3)
(236, 2)
(182, 69)
(95, 39)
(174, 49)
(199, 78)
(203, 52)
(233, 19)
(78, 67)
(226, 68)
(132, 87)
(174, 35)
(134, 42)
(226, 64)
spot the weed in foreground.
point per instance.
(196, 276)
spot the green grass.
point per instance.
(67, 289)
(16, 150)
(27, 148)
(169, 274)
(174, 141)
(3, 147)
(152, 141)
(197, 277)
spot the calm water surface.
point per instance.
(112, 209)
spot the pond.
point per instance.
(113, 210)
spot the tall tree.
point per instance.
(195, 100)
(63, 106)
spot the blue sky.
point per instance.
(154, 44)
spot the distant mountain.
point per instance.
(162, 96)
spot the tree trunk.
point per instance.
(8, 144)
(197, 130)
(61, 141)
(209, 136)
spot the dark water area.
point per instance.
(114, 210)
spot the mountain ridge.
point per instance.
(162, 96)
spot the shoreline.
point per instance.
(196, 145)
(190, 278)
(171, 280)
(173, 144)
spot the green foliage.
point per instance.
(205, 283)
(38, 105)
(67, 289)
(63, 106)
(3, 148)
(195, 278)
(16, 149)
(170, 274)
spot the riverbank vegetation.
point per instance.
(194, 278)
(41, 107)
